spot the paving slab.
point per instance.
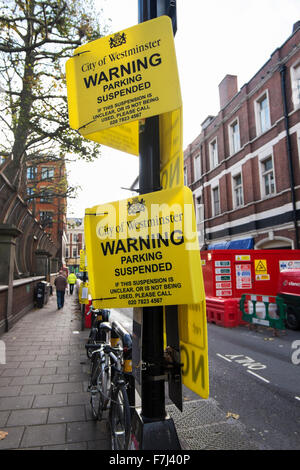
(47, 434)
(44, 403)
(28, 417)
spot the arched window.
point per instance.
(277, 243)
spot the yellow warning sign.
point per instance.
(191, 317)
(144, 251)
(82, 261)
(194, 347)
(83, 294)
(123, 78)
(171, 149)
(242, 257)
(124, 138)
(262, 277)
(260, 266)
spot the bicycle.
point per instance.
(100, 372)
(119, 413)
(96, 335)
(108, 387)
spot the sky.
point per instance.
(213, 39)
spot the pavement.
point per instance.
(44, 404)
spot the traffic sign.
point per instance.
(83, 294)
(124, 77)
(144, 251)
(82, 261)
(191, 317)
(194, 346)
(171, 149)
(124, 138)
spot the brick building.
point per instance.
(75, 243)
(244, 167)
(46, 193)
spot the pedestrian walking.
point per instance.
(72, 280)
(61, 285)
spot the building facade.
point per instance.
(244, 167)
(46, 197)
(75, 243)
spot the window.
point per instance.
(46, 196)
(30, 192)
(199, 210)
(295, 77)
(197, 168)
(67, 252)
(213, 152)
(268, 182)
(238, 199)
(263, 122)
(199, 217)
(216, 201)
(234, 137)
(74, 252)
(46, 218)
(185, 180)
(31, 173)
(47, 173)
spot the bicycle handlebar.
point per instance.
(93, 346)
(106, 347)
(122, 333)
(110, 349)
(107, 350)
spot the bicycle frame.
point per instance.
(112, 364)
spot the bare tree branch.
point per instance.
(36, 38)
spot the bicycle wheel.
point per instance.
(119, 418)
(95, 387)
(91, 340)
(82, 317)
(105, 383)
(99, 387)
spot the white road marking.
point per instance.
(256, 375)
(297, 398)
(223, 357)
(250, 371)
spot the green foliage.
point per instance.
(37, 37)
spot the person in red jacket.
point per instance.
(61, 285)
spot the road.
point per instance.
(256, 376)
(253, 376)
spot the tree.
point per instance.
(37, 37)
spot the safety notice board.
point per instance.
(117, 80)
(144, 251)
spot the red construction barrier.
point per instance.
(228, 274)
(224, 312)
(87, 318)
(232, 273)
